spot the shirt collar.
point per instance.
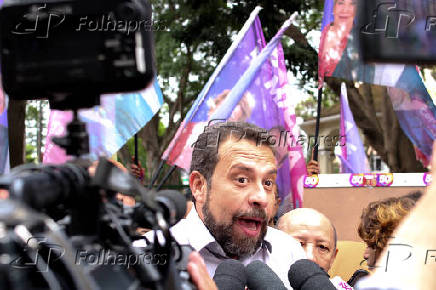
(200, 237)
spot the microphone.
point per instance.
(307, 275)
(261, 277)
(230, 275)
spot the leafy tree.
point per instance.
(35, 124)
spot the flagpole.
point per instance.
(136, 149)
(318, 117)
(165, 178)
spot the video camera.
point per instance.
(63, 227)
(57, 48)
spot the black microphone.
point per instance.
(307, 275)
(230, 275)
(261, 277)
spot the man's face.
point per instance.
(234, 207)
(317, 241)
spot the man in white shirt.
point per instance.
(233, 181)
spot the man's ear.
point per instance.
(198, 185)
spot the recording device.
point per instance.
(91, 223)
(305, 274)
(71, 52)
(230, 275)
(397, 31)
(261, 277)
(60, 48)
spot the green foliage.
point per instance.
(307, 109)
(30, 154)
(198, 33)
(36, 120)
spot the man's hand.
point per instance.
(312, 166)
(198, 271)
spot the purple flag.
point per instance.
(256, 76)
(353, 157)
(4, 139)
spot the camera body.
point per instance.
(75, 47)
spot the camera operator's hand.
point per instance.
(198, 271)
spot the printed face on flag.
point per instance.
(337, 25)
(241, 112)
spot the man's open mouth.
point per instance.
(250, 226)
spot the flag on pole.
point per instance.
(339, 57)
(250, 84)
(109, 125)
(353, 157)
(4, 139)
(4, 136)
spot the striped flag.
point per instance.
(109, 125)
(353, 157)
(249, 84)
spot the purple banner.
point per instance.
(251, 85)
(353, 157)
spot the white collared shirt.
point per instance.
(279, 250)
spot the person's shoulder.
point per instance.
(279, 238)
(278, 234)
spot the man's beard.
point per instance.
(223, 233)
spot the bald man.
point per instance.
(314, 231)
(317, 236)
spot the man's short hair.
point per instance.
(205, 153)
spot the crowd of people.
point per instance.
(235, 201)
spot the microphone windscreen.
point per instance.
(261, 277)
(305, 274)
(230, 275)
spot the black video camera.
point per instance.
(75, 47)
